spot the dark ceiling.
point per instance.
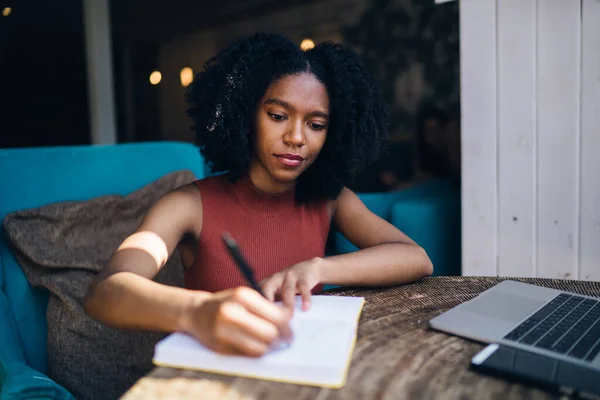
(43, 71)
(151, 21)
(161, 20)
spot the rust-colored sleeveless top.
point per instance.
(272, 232)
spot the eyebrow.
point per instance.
(287, 105)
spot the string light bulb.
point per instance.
(186, 76)
(155, 77)
(307, 44)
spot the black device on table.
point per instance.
(518, 364)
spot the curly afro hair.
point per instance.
(224, 96)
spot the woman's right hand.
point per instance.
(238, 321)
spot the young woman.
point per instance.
(290, 129)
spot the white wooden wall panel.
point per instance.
(590, 142)
(478, 76)
(558, 98)
(530, 72)
(516, 137)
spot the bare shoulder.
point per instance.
(187, 193)
(346, 196)
(180, 208)
(184, 199)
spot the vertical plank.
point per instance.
(98, 52)
(590, 143)
(558, 98)
(516, 137)
(479, 151)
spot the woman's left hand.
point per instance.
(297, 279)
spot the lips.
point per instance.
(291, 156)
(290, 159)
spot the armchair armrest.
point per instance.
(23, 382)
(434, 223)
(18, 381)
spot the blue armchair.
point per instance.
(32, 177)
(429, 213)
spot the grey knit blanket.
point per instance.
(61, 247)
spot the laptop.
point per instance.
(560, 327)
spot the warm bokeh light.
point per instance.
(307, 44)
(155, 77)
(7, 11)
(186, 75)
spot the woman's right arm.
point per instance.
(124, 296)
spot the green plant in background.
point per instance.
(412, 48)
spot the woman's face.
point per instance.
(291, 127)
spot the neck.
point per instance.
(265, 183)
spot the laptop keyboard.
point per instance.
(567, 325)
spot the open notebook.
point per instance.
(319, 355)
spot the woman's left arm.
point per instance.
(386, 256)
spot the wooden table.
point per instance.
(397, 355)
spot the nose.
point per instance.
(295, 135)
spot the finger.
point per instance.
(269, 287)
(223, 348)
(288, 292)
(305, 293)
(234, 340)
(263, 308)
(238, 317)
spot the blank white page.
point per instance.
(319, 355)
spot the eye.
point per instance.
(316, 127)
(276, 117)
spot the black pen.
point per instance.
(240, 261)
(243, 265)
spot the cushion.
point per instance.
(61, 247)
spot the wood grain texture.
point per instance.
(397, 355)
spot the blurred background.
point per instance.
(512, 83)
(59, 59)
